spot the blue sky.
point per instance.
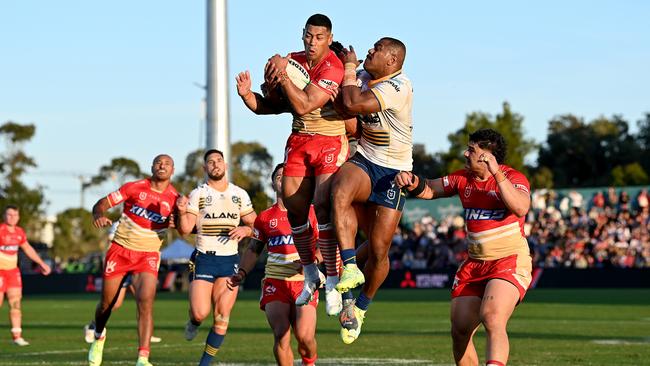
(108, 79)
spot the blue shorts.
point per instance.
(384, 192)
(209, 267)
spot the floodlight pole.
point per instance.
(217, 111)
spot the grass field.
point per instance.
(552, 327)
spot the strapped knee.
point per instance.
(221, 322)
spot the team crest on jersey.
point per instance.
(494, 195)
(236, 200)
(468, 191)
(165, 205)
(142, 196)
(208, 199)
(273, 223)
(329, 158)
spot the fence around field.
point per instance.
(542, 278)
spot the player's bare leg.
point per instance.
(328, 243)
(278, 315)
(145, 294)
(380, 238)
(499, 302)
(110, 293)
(304, 327)
(465, 319)
(351, 185)
(223, 298)
(200, 293)
(297, 195)
(14, 297)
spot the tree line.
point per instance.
(576, 153)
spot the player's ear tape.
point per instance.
(419, 188)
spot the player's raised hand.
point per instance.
(404, 179)
(243, 83)
(349, 56)
(181, 204)
(102, 221)
(488, 159)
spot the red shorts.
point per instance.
(473, 275)
(283, 291)
(309, 155)
(10, 278)
(120, 261)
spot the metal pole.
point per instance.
(217, 119)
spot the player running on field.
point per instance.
(135, 249)
(216, 208)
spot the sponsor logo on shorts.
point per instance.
(269, 290)
(391, 194)
(110, 267)
(204, 276)
(153, 262)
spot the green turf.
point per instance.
(552, 327)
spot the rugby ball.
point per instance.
(297, 74)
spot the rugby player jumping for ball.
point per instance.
(315, 150)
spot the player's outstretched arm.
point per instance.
(253, 101)
(31, 254)
(420, 187)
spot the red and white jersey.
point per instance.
(493, 232)
(145, 217)
(326, 75)
(10, 242)
(272, 227)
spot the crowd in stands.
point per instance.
(610, 229)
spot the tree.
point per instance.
(643, 140)
(425, 164)
(75, 235)
(628, 175)
(120, 170)
(583, 154)
(507, 123)
(13, 164)
(250, 169)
